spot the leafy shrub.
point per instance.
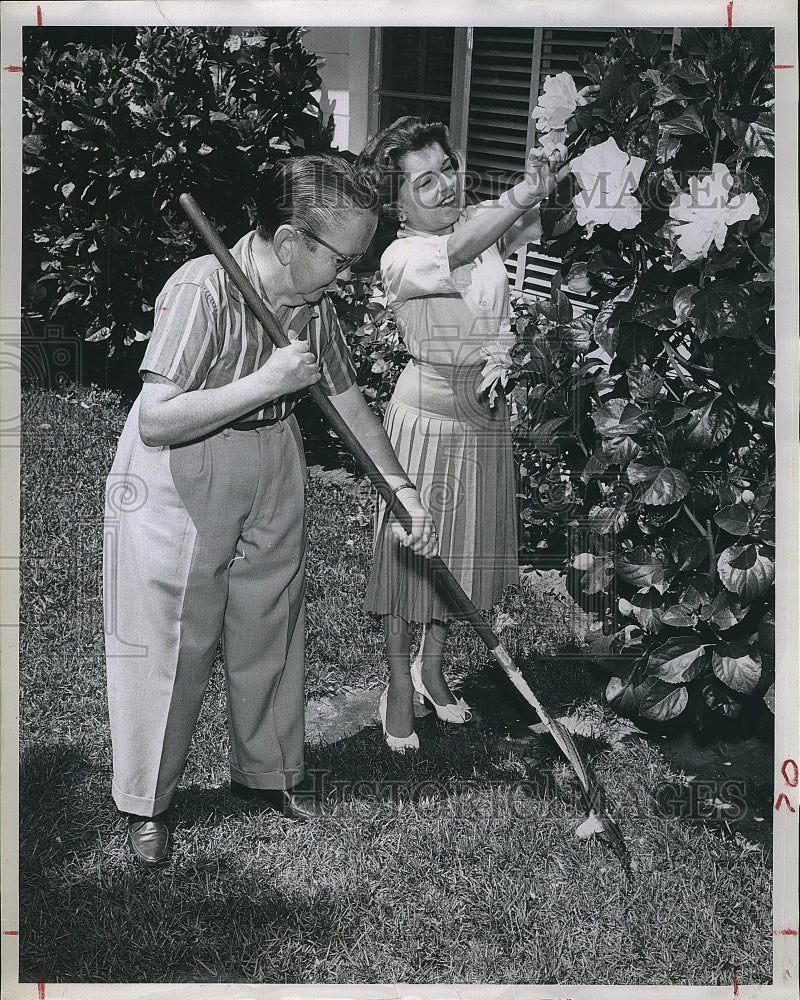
(111, 141)
(653, 412)
(376, 347)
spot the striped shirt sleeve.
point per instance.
(338, 373)
(185, 339)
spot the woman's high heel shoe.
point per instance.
(400, 744)
(458, 713)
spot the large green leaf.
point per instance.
(647, 609)
(667, 413)
(726, 309)
(672, 132)
(678, 660)
(725, 611)
(687, 123)
(622, 695)
(637, 344)
(754, 138)
(644, 470)
(746, 570)
(711, 421)
(656, 309)
(578, 333)
(669, 486)
(34, 145)
(607, 518)
(595, 465)
(735, 519)
(644, 382)
(647, 44)
(697, 593)
(723, 260)
(604, 331)
(687, 551)
(642, 566)
(679, 616)
(661, 702)
(620, 449)
(618, 416)
(745, 183)
(692, 73)
(610, 269)
(737, 664)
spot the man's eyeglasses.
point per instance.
(343, 261)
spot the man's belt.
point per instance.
(253, 425)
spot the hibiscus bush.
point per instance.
(644, 423)
(376, 348)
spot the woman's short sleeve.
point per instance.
(416, 266)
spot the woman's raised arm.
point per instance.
(480, 232)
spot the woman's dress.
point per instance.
(455, 447)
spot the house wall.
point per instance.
(345, 81)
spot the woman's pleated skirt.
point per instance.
(457, 451)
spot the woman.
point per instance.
(446, 282)
(205, 528)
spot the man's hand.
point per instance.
(289, 369)
(423, 538)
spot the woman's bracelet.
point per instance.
(404, 486)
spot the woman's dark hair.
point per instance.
(309, 192)
(378, 164)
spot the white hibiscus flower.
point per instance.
(558, 101)
(608, 177)
(708, 210)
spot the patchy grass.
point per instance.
(457, 865)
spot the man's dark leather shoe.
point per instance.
(150, 840)
(298, 803)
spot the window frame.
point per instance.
(459, 94)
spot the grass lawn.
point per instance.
(459, 865)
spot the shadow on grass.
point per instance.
(82, 897)
(496, 749)
(90, 914)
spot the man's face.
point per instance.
(319, 257)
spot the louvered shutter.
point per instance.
(499, 107)
(509, 66)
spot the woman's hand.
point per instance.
(541, 172)
(585, 96)
(289, 369)
(423, 538)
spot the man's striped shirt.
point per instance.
(205, 336)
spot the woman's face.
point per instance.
(315, 266)
(430, 192)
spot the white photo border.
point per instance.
(780, 14)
